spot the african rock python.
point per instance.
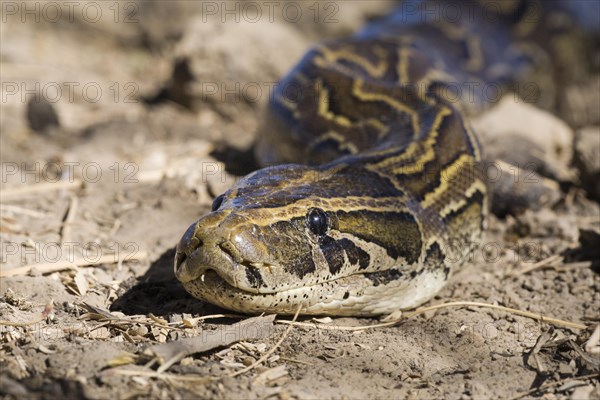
(390, 193)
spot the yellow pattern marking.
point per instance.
(337, 137)
(374, 70)
(323, 105)
(428, 147)
(477, 185)
(403, 60)
(264, 217)
(358, 91)
(430, 77)
(287, 103)
(424, 148)
(379, 126)
(447, 175)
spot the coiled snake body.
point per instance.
(389, 196)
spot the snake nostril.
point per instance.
(188, 243)
(179, 259)
(228, 250)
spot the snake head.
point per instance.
(293, 235)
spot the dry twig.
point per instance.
(65, 229)
(537, 317)
(554, 384)
(39, 187)
(46, 268)
(172, 352)
(546, 262)
(268, 353)
(21, 210)
(47, 310)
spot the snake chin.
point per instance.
(348, 296)
(213, 288)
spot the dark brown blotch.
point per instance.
(434, 256)
(476, 199)
(355, 254)
(333, 251)
(397, 232)
(384, 277)
(254, 277)
(290, 249)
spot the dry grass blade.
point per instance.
(65, 229)
(39, 187)
(537, 317)
(546, 262)
(121, 323)
(543, 388)
(268, 353)
(292, 360)
(192, 322)
(251, 328)
(593, 344)
(167, 377)
(533, 353)
(102, 313)
(271, 375)
(47, 310)
(594, 362)
(12, 209)
(46, 268)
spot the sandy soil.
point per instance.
(156, 106)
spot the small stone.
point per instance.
(523, 123)
(247, 361)
(41, 116)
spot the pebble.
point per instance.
(247, 361)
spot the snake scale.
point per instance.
(373, 190)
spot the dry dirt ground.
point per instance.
(150, 113)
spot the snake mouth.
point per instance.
(223, 264)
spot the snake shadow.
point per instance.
(160, 293)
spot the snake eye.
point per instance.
(217, 202)
(317, 221)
